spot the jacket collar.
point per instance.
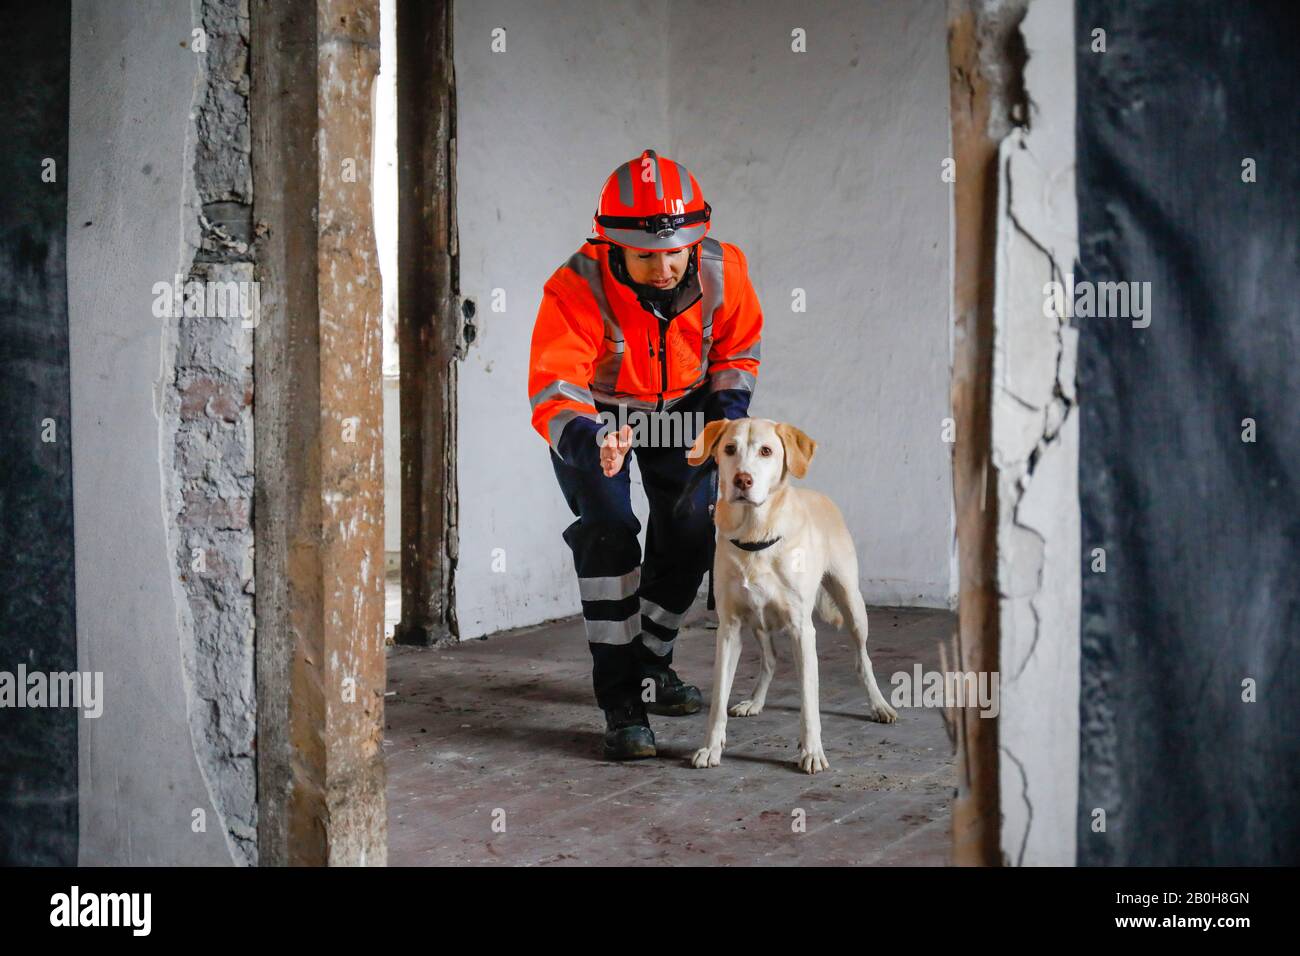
(685, 295)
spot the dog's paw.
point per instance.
(707, 757)
(746, 708)
(811, 761)
(882, 713)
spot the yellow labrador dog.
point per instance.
(782, 552)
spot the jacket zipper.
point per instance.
(663, 325)
(663, 366)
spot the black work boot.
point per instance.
(627, 732)
(672, 697)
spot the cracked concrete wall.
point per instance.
(1036, 450)
(208, 430)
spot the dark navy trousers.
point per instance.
(632, 608)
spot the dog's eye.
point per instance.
(730, 449)
(765, 451)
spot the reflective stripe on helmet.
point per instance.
(625, 193)
(659, 178)
(684, 177)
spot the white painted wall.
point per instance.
(129, 181)
(580, 88)
(823, 166)
(1035, 414)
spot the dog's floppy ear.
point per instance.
(799, 449)
(707, 440)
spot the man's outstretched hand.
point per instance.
(614, 450)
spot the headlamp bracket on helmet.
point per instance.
(661, 225)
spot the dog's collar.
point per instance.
(754, 545)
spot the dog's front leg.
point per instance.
(725, 658)
(811, 756)
(754, 705)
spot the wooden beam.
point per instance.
(318, 513)
(975, 813)
(428, 318)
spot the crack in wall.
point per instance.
(1035, 449)
(1029, 806)
(1054, 414)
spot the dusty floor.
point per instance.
(493, 757)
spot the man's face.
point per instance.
(663, 270)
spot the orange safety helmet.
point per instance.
(652, 204)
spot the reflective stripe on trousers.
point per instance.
(633, 609)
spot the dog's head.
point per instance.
(754, 456)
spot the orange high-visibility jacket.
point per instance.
(595, 341)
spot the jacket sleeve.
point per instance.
(734, 356)
(561, 361)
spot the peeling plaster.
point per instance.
(206, 431)
(1002, 58)
(1035, 451)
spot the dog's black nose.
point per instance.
(743, 480)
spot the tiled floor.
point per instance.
(493, 757)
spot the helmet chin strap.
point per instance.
(648, 294)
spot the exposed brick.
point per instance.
(212, 478)
(204, 511)
(212, 396)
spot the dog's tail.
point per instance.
(826, 608)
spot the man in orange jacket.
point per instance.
(651, 323)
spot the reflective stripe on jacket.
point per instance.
(594, 341)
